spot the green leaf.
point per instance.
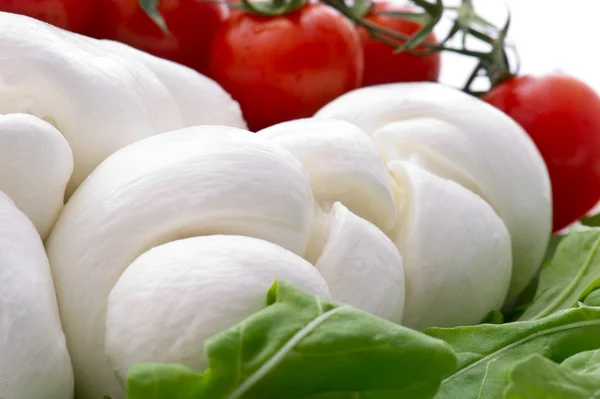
(512, 312)
(150, 7)
(487, 352)
(552, 247)
(592, 221)
(578, 377)
(573, 272)
(593, 299)
(585, 362)
(494, 317)
(305, 346)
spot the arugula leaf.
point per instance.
(592, 221)
(593, 299)
(514, 311)
(494, 317)
(305, 346)
(488, 352)
(578, 377)
(551, 250)
(573, 272)
(585, 362)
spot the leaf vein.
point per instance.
(239, 358)
(280, 355)
(572, 285)
(521, 341)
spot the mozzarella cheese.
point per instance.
(34, 361)
(414, 202)
(461, 138)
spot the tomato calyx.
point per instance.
(495, 64)
(270, 8)
(430, 16)
(150, 7)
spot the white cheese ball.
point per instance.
(457, 136)
(355, 206)
(362, 266)
(195, 182)
(343, 164)
(177, 295)
(34, 362)
(101, 97)
(35, 166)
(456, 251)
(201, 100)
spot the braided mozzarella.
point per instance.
(35, 166)
(461, 138)
(182, 218)
(189, 229)
(447, 235)
(100, 96)
(456, 250)
(66, 103)
(34, 362)
(413, 202)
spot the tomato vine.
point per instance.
(494, 64)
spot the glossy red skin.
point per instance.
(382, 65)
(562, 116)
(286, 67)
(71, 15)
(192, 24)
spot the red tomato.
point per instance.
(192, 24)
(67, 14)
(382, 65)
(286, 67)
(562, 116)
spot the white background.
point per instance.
(549, 35)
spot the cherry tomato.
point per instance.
(71, 15)
(562, 116)
(382, 65)
(286, 67)
(192, 24)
